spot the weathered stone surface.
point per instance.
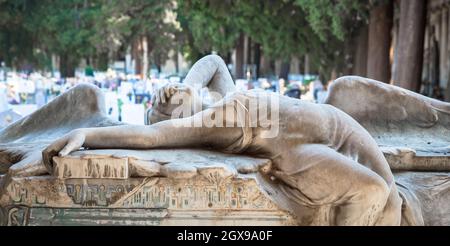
(212, 194)
(90, 167)
(405, 159)
(431, 190)
(207, 189)
(152, 217)
(137, 201)
(22, 142)
(411, 129)
(173, 163)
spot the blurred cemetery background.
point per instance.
(292, 47)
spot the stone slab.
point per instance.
(139, 201)
(406, 159)
(90, 167)
(178, 187)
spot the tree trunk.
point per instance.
(284, 71)
(408, 71)
(158, 63)
(67, 66)
(144, 58)
(249, 73)
(445, 59)
(443, 47)
(380, 26)
(228, 58)
(54, 64)
(137, 56)
(307, 65)
(295, 65)
(266, 66)
(249, 51)
(103, 61)
(177, 63)
(239, 69)
(257, 58)
(360, 58)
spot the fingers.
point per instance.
(52, 150)
(62, 147)
(162, 96)
(47, 157)
(172, 91)
(71, 146)
(167, 90)
(74, 143)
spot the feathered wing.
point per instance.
(397, 118)
(22, 142)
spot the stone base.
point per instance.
(138, 201)
(141, 217)
(180, 187)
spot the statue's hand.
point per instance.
(170, 97)
(165, 93)
(63, 146)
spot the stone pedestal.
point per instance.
(209, 189)
(138, 201)
(180, 187)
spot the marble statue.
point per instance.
(327, 165)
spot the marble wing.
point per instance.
(413, 130)
(22, 142)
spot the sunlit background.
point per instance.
(129, 48)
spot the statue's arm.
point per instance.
(211, 72)
(185, 132)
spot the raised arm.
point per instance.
(210, 71)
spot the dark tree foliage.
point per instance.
(102, 30)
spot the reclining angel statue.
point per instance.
(321, 153)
